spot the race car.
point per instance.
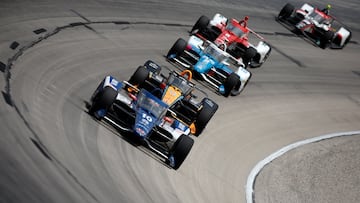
(321, 28)
(211, 64)
(239, 40)
(161, 111)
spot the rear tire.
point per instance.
(230, 83)
(181, 149)
(139, 77)
(286, 11)
(204, 116)
(200, 24)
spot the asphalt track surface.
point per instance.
(52, 151)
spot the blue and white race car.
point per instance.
(159, 110)
(211, 63)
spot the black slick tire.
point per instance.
(139, 76)
(200, 24)
(326, 39)
(286, 11)
(249, 54)
(103, 99)
(177, 48)
(204, 116)
(181, 149)
(230, 83)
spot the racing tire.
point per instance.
(103, 100)
(139, 77)
(249, 54)
(326, 39)
(204, 116)
(178, 48)
(230, 83)
(286, 11)
(181, 149)
(255, 62)
(152, 66)
(98, 89)
(236, 90)
(200, 24)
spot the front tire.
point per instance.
(255, 62)
(103, 100)
(230, 83)
(326, 39)
(181, 149)
(249, 54)
(177, 49)
(204, 116)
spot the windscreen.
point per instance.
(235, 30)
(215, 53)
(180, 83)
(149, 102)
(317, 17)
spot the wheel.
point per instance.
(230, 83)
(139, 76)
(255, 62)
(205, 114)
(286, 11)
(200, 24)
(152, 66)
(235, 49)
(236, 90)
(181, 149)
(98, 89)
(178, 48)
(249, 54)
(103, 99)
(326, 39)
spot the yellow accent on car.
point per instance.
(192, 128)
(171, 95)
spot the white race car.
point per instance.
(315, 24)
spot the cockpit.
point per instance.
(179, 82)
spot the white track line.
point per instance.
(256, 170)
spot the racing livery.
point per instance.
(239, 40)
(211, 64)
(161, 111)
(315, 24)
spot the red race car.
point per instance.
(235, 37)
